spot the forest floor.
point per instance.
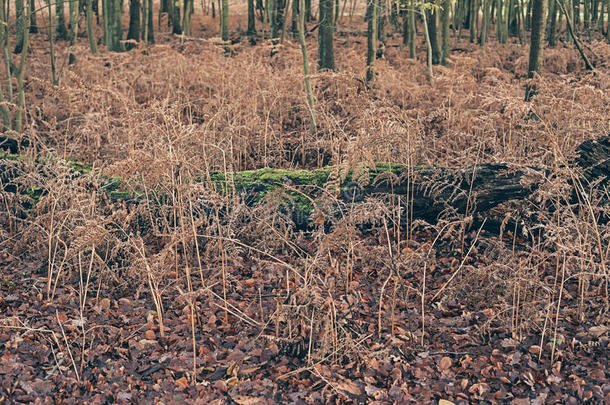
(200, 298)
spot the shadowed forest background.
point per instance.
(234, 202)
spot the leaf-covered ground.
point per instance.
(110, 349)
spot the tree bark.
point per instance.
(326, 53)
(432, 15)
(536, 45)
(445, 31)
(134, 21)
(251, 19)
(371, 54)
(224, 31)
(19, 22)
(60, 26)
(33, 24)
(90, 32)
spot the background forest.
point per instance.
(287, 201)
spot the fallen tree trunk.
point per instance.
(430, 190)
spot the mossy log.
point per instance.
(430, 190)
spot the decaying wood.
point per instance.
(430, 190)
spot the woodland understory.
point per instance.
(130, 274)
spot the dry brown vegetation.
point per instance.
(228, 301)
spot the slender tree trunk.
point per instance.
(251, 19)
(176, 23)
(371, 54)
(433, 34)
(586, 15)
(6, 117)
(73, 7)
(445, 31)
(474, 16)
(326, 53)
(60, 28)
(552, 31)
(608, 19)
(308, 16)
(412, 30)
(294, 25)
(90, 32)
(225, 20)
(576, 14)
(19, 115)
(287, 6)
(19, 23)
(500, 21)
(536, 45)
(150, 31)
(144, 30)
(186, 20)
(521, 22)
(276, 17)
(312, 115)
(188, 11)
(33, 25)
(381, 28)
(584, 57)
(428, 43)
(485, 22)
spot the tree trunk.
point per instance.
(112, 24)
(381, 28)
(6, 116)
(445, 31)
(19, 23)
(186, 20)
(176, 22)
(326, 53)
(412, 30)
(608, 25)
(551, 35)
(224, 32)
(134, 22)
(33, 25)
(90, 32)
(312, 115)
(485, 22)
(432, 16)
(19, 115)
(150, 32)
(74, 14)
(536, 42)
(433, 191)
(251, 19)
(371, 54)
(60, 25)
(428, 43)
(474, 16)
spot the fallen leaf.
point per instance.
(182, 382)
(535, 349)
(245, 400)
(445, 363)
(349, 387)
(597, 331)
